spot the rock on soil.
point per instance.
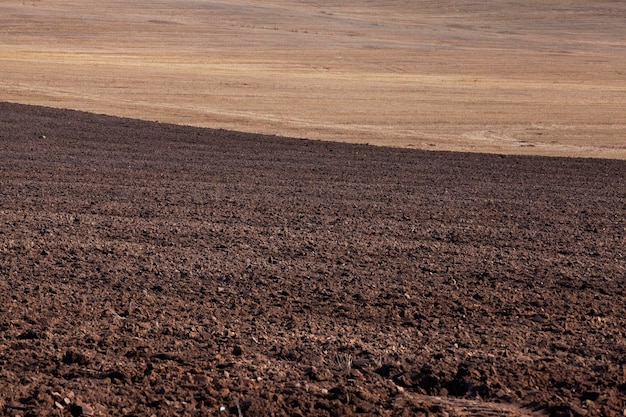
(151, 269)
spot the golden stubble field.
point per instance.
(533, 77)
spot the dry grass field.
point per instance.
(532, 77)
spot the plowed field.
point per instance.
(152, 269)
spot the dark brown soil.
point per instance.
(151, 269)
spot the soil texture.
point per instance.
(153, 269)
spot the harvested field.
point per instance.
(153, 269)
(541, 77)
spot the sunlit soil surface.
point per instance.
(529, 77)
(154, 269)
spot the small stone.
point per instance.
(58, 405)
(72, 357)
(201, 379)
(82, 409)
(578, 411)
(318, 374)
(15, 406)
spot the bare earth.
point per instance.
(168, 270)
(152, 269)
(515, 77)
